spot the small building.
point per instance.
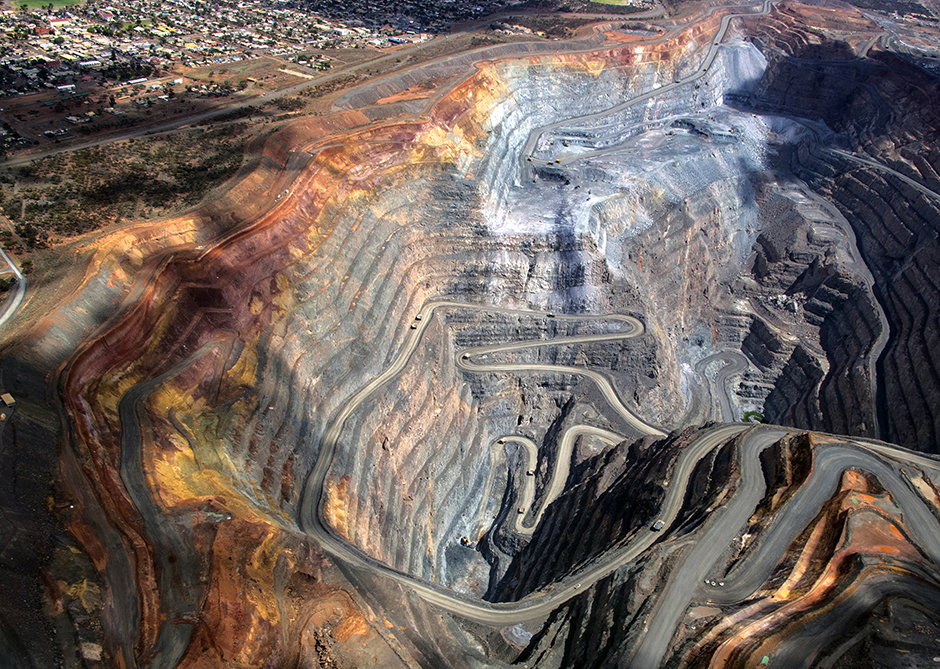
(7, 399)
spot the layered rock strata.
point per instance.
(432, 317)
(882, 107)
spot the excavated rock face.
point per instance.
(823, 598)
(883, 107)
(421, 348)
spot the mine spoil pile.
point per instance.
(438, 380)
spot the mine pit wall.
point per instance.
(826, 385)
(310, 272)
(174, 323)
(539, 93)
(834, 393)
(415, 457)
(120, 254)
(543, 91)
(164, 326)
(885, 107)
(688, 225)
(893, 224)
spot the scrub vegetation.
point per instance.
(69, 194)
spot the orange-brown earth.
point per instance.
(856, 537)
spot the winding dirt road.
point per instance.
(682, 587)
(735, 364)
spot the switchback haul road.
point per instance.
(539, 605)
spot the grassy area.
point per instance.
(753, 416)
(553, 26)
(38, 4)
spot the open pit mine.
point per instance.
(622, 350)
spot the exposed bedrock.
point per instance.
(618, 494)
(897, 227)
(201, 373)
(885, 109)
(795, 397)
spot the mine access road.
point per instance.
(16, 300)
(559, 472)
(720, 531)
